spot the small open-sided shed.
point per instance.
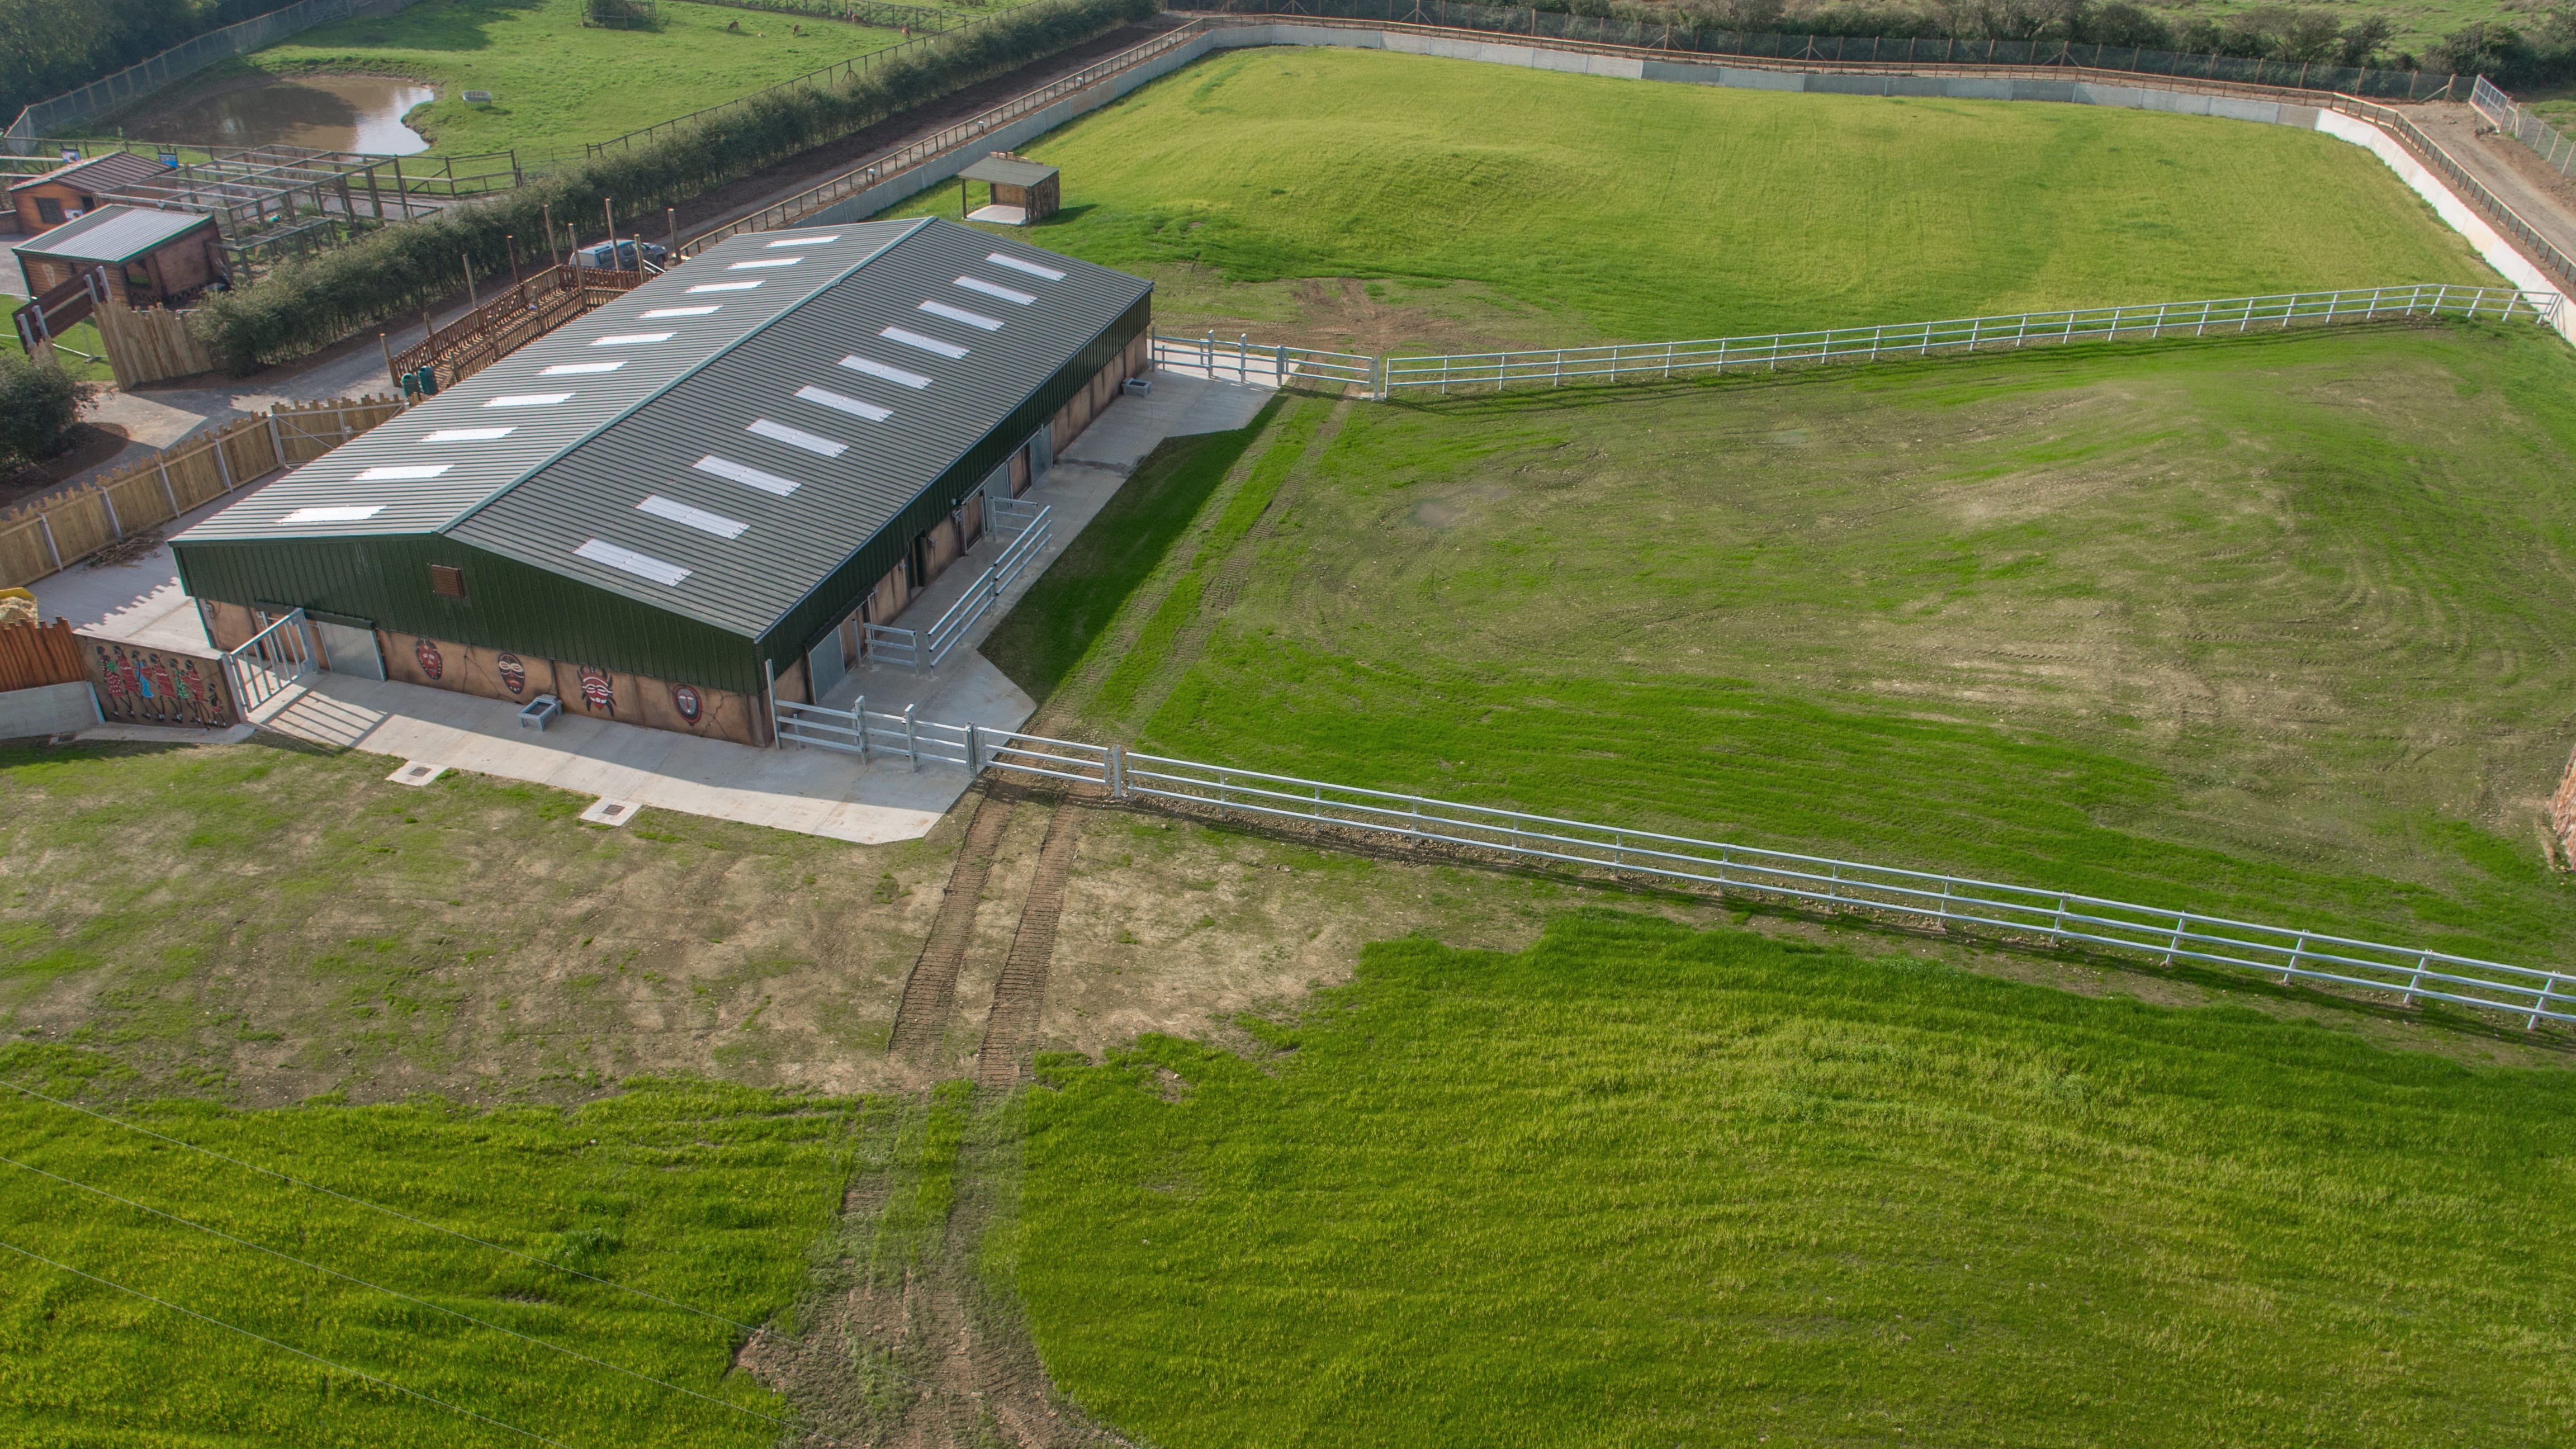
(1024, 191)
(146, 257)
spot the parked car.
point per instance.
(599, 256)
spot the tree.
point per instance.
(38, 404)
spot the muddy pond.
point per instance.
(324, 113)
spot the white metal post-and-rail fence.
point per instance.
(2138, 323)
(269, 662)
(2057, 918)
(1030, 526)
(1271, 364)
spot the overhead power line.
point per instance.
(408, 1298)
(288, 1347)
(406, 1217)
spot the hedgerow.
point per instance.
(312, 302)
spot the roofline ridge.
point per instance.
(466, 515)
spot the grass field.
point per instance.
(2264, 627)
(705, 1195)
(1481, 204)
(81, 335)
(557, 83)
(470, 938)
(1638, 1186)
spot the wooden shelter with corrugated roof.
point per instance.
(1024, 192)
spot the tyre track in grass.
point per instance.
(930, 992)
(1011, 1027)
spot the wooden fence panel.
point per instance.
(33, 656)
(150, 345)
(180, 480)
(23, 556)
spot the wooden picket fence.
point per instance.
(52, 534)
(35, 655)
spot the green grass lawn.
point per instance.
(1489, 204)
(702, 1194)
(557, 83)
(2268, 627)
(1637, 1186)
(80, 337)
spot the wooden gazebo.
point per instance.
(1024, 192)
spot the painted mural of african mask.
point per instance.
(597, 692)
(685, 699)
(427, 653)
(514, 674)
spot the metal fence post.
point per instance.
(911, 738)
(45, 526)
(859, 717)
(769, 691)
(974, 748)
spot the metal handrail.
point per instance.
(2542, 250)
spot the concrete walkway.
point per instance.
(812, 792)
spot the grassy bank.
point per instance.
(1486, 203)
(703, 1195)
(1639, 1186)
(2262, 627)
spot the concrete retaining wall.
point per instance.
(47, 710)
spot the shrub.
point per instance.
(38, 403)
(310, 303)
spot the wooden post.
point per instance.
(608, 208)
(552, 258)
(471, 300)
(671, 219)
(388, 346)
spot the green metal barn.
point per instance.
(698, 493)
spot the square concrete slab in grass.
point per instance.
(417, 772)
(610, 812)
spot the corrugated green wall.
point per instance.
(510, 605)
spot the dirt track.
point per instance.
(2508, 168)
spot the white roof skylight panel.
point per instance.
(797, 438)
(643, 565)
(528, 400)
(466, 435)
(960, 314)
(628, 339)
(996, 289)
(700, 311)
(572, 369)
(885, 371)
(844, 403)
(401, 472)
(724, 287)
(346, 513)
(1034, 269)
(800, 241)
(764, 262)
(697, 518)
(927, 344)
(747, 476)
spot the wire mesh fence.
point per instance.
(2138, 323)
(136, 81)
(2527, 237)
(2559, 151)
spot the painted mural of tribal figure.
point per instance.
(598, 692)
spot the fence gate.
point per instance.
(274, 659)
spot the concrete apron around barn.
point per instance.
(810, 791)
